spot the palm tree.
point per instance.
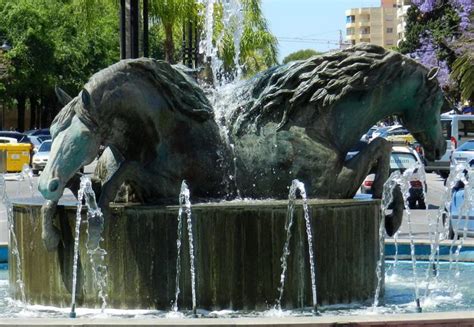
(258, 47)
(172, 13)
(463, 72)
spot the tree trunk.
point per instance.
(169, 43)
(21, 112)
(33, 109)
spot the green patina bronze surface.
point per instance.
(237, 247)
(293, 121)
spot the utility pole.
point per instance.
(130, 28)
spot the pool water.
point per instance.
(451, 290)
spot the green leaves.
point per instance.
(300, 55)
(463, 72)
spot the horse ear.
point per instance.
(63, 97)
(432, 73)
(86, 99)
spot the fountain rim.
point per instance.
(244, 204)
(431, 318)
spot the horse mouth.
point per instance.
(50, 189)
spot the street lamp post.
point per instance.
(5, 48)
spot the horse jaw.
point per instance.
(432, 150)
(71, 149)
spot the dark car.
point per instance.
(38, 132)
(20, 137)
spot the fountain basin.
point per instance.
(238, 246)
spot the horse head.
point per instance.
(75, 144)
(422, 118)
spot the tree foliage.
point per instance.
(300, 55)
(52, 44)
(435, 34)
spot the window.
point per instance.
(389, 42)
(389, 18)
(350, 19)
(389, 30)
(350, 31)
(365, 30)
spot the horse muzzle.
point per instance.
(436, 152)
(50, 188)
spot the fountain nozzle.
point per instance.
(72, 314)
(315, 311)
(418, 306)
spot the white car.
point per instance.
(5, 139)
(465, 153)
(457, 129)
(402, 158)
(41, 157)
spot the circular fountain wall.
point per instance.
(238, 246)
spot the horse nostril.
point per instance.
(53, 185)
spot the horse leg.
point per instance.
(108, 191)
(376, 155)
(49, 234)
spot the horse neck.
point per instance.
(354, 117)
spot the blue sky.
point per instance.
(309, 24)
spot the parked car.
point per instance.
(367, 137)
(37, 140)
(41, 157)
(37, 132)
(355, 149)
(5, 139)
(457, 129)
(402, 158)
(382, 131)
(20, 137)
(458, 220)
(465, 153)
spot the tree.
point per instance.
(300, 55)
(172, 14)
(434, 31)
(463, 72)
(52, 44)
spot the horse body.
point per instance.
(152, 143)
(305, 117)
(295, 121)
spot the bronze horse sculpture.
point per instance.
(293, 121)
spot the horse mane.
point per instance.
(320, 81)
(177, 88)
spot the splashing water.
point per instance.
(185, 206)
(463, 219)
(13, 242)
(402, 180)
(296, 185)
(232, 19)
(441, 225)
(27, 174)
(96, 253)
(95, 220)
(224, 83)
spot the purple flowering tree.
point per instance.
(455, 42)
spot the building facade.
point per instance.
(384, 25)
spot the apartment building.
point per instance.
(384, 25)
